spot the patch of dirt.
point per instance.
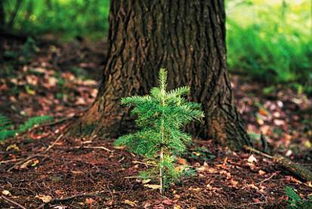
(75, 168)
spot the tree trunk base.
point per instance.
(225, 128)
(96, 123)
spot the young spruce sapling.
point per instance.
(161, 116)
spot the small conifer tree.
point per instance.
(161, 116)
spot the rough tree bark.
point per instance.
(185, 37)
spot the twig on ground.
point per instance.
(110, 192)
(52, 145)
(12, 202)
(143, 163)
(251, 149)
(134, 177)
(252, 203)
(9, 161)
(98, 147)
(267, 179)
(64, 199)
(23, 160)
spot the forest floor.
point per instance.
(39, 169)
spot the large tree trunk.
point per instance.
(185, 37)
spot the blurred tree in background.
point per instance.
(67, 18)
(2, 17)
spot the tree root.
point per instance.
(12, 202)
(23, 160)
(295, 168)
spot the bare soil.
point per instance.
(40, 169)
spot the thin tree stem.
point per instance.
(161, 171)
(161, 177)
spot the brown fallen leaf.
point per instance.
(129, 202)
(6, 193)
(59, 192)
(77, 172)
(233, 182)
(44, 198)
(195, 189)
(145, 181)
(308, 183)
(120, 147)
(226, 174)
(13, 147)
(176, 196)
(26, 164)
(279, 122)
(256, 200)
(90, 201)
(263, 111)
(152, 186)
(35, 162)
(182, 161)
(167, 202)
(261, 172)
(252, 159)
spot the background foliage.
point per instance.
(270, 40)
(67, 18)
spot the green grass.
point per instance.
(271, 41)
(7, 128)
(295, 201)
